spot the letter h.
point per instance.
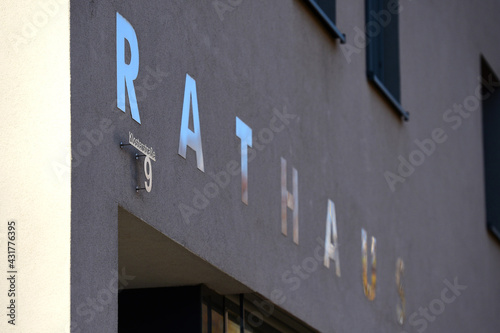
(289, 200)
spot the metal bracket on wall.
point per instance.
(137, 189)
(124, 144)
(147, 161)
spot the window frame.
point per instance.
(490, 154)
(371, 57)
(330, 23)
(250, 306)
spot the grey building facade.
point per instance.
(238, 158)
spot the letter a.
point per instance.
(331, 249)
(188, 137)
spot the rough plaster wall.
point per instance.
(267, 55)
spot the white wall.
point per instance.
(35, 133)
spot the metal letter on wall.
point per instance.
(331, 249)
(188, 137)
(289, 200)
(369, 288)
(400, 309)
(245, 134)
(126, 73)
(148, 172)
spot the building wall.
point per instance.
(252, 62)
(35, 165)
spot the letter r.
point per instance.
(126, 73)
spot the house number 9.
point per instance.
(148, 172)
